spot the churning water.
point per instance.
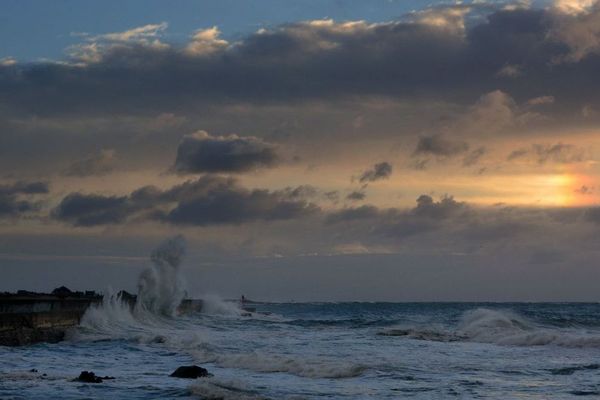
(320, 350)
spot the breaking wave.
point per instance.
(151, 315)
(261, 362)
(160, 286)
(214, 305)
(502, 327)
(212, 389)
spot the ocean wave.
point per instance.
(431, 335)
(571, 370)
(214, 305)
(503, 327)
(260, 362)
(508, 328)
(213, 389)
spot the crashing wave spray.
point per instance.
(160, 287)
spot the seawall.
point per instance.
(27, 317)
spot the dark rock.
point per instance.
(33, 370)
(88, 377)
(190, 372)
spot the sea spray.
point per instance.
(215, 305)
(160, 291)
(160, 287)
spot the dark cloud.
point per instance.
(236, 207)
(97, 164)
(473, 157)
(381, 170)
(432, 55)
(542, 153)
(350, 214)
(15, 197)
(22, 187)
(444, 208)
(89, 210)
(333, 196)
(301, 192)
(201, 152)
(517, 154)
(209, 200)
(585, 190)
(356, 196)
(424, 216)
(444, 222)
(420, 164)
(440, 146)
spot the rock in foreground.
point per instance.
(90, 377)
(190, 372)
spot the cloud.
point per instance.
(7, 61)
(574, 7)
(90, 209)
(141, 33)
(350, 214)
(209, 200)
(585, 190)
(537, 101)
(559, 153)
(426, 208)
(201, 152)
(451, 19)
(444, 208)
(578, 27)
(300, 192)
(23, 187)
(473, 157)
(206, 42)
(509, 71)
(381, 170)
(236, 207)
(322, 59)
(448, 225)
(97, 164)
(94, 48)
(356, 196)
(440, 146)
(12, 202)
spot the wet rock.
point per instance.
(190, 372)
(90, 377)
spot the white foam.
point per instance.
(508, 328)
(160, 291)
(214, 305)
(160, 286)
(261, 362)
(213, 389)
(503, 327)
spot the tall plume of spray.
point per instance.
(160, 286)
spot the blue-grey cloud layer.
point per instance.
(300, 61)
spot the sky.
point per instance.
(306, 150)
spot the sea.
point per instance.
(319, 351)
